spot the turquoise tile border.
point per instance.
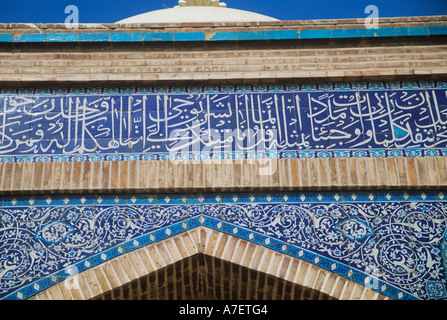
(31, 37)
(127, 37)
(6, 37)
(189, 36)
(62, 37)
(95, 37)
(257, 35)
(316, 34)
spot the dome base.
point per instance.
(191, 14)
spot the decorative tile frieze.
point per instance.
(332, 120)
(392, 242)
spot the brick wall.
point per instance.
(226, 175)
(216, 63)
(78, 63)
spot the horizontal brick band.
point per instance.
(224, 175)
(217, 63)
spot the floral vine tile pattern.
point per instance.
(393, 242)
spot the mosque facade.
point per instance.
(204, 152)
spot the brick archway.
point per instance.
(122, 275)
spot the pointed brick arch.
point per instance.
(120, 272)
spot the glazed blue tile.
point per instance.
(146, 199)
(437, 30)
(106, 200)
(358, 277)
(194, 223)
(128, 37)
(81, 266)
(229, 198)
(144, 240)
(411, 31)
(436, 290)
(170, 199)
(53, 200)
(195, 210)
(76, 200)
(194, 199)
(228, 228)
(272, 197)
(114, 252)
(212, 223)
(276, 245)
(252, 35)
(19, 201)
(283, 34)
(315, 34)
(341, 270)
(325, 263)
(62, 37)
(158, 36)
(258, 238)
(31, 37)
(381, 216)
(380, 32)
(224, 36)
(44, 284)
(347, 33)
(189, 36)
(162, 234)
(6, 37)
(121, 151)
(174, 213)
(440, 95)
(296, 197)
(210, 198)
(94, 37)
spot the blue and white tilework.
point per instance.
(364, 119)
(393, 242)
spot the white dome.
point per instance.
(191, 11)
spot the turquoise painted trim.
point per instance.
(224, 36)
(283, 34)
(437, 30)
(6, 37)
(227, 36)
(62, 37)
(252, 35)
(95, 37)
(316, 34)
(31, 37)
(158, 36)
(189, 36)
(127, 37)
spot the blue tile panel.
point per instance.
(326, 120)
(229, 36)
(393, 242)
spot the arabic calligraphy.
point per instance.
(238, 123)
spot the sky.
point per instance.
(110, 11)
